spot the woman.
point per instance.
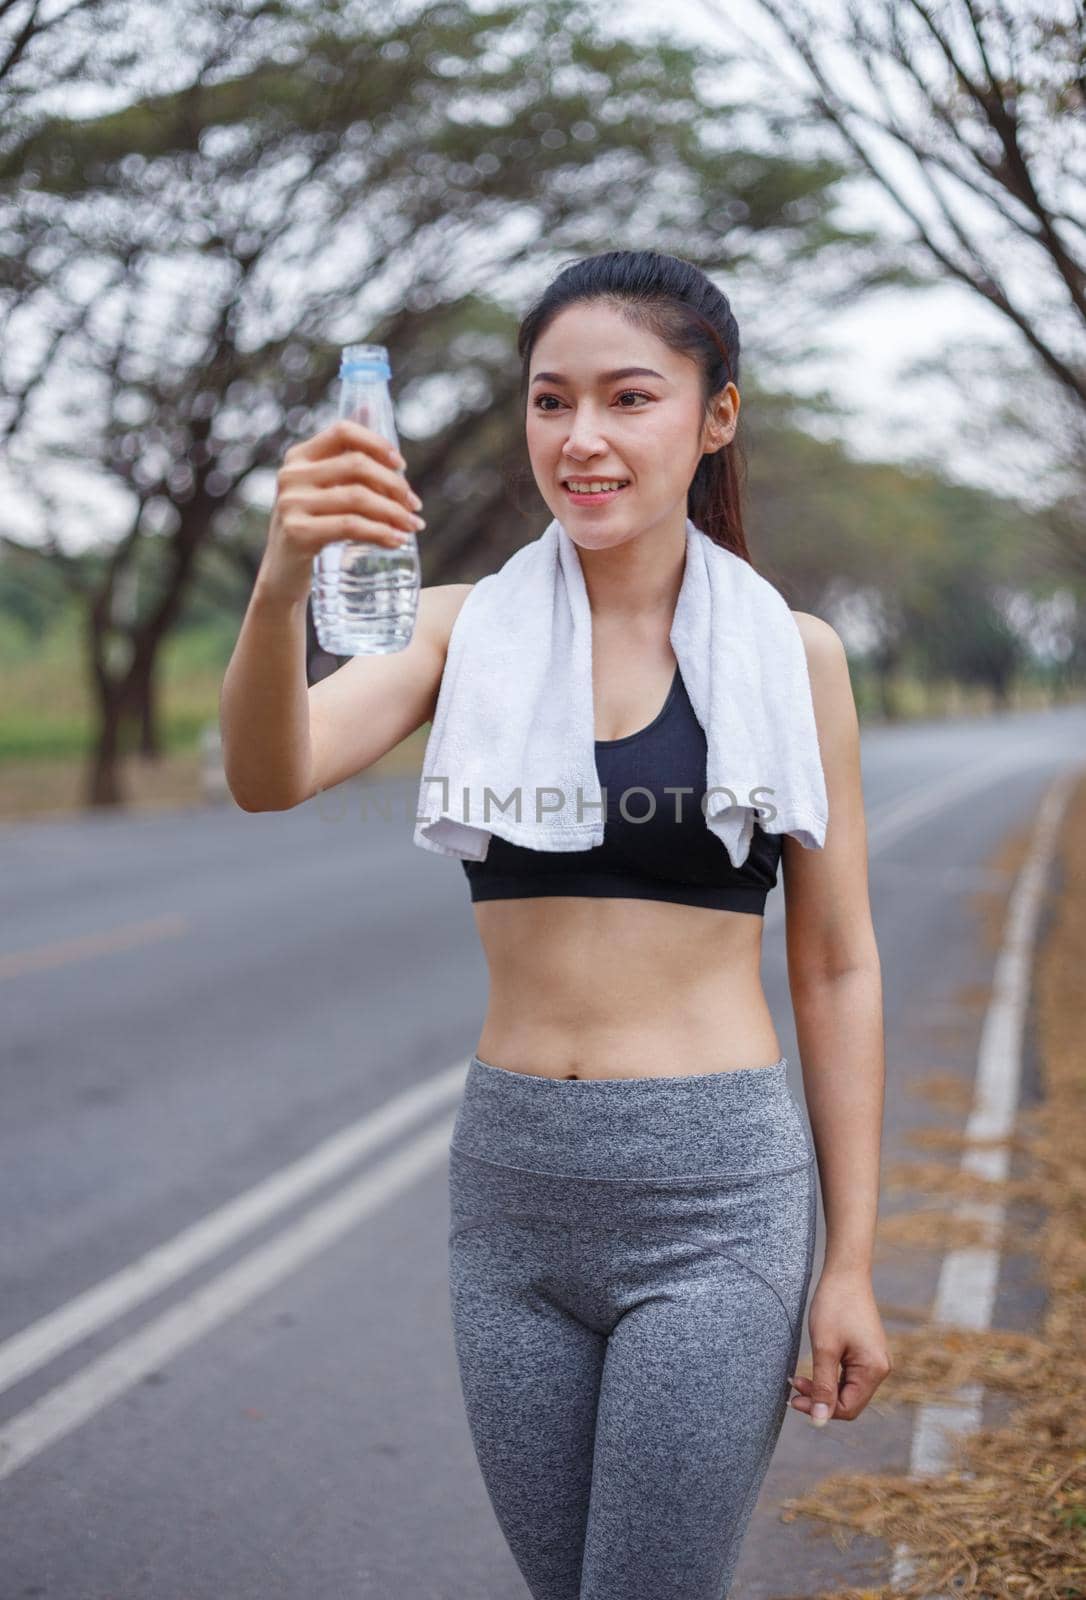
(631, 1182)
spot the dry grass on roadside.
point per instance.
(51, 787)
(1009, 1523)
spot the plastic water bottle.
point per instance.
(365, 596)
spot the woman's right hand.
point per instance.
(345, 482)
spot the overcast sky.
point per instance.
(891, 415)
(874, 342)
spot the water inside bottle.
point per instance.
(365, 596)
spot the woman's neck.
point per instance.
(637, 581)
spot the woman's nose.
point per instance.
(583, 441)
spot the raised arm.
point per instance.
(281, 740)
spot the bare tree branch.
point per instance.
(991, 98)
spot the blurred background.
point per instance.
(234, 1042)
(200, 204)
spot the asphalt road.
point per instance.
(231, 1054)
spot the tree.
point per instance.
(968, 117)
(984, 101)
(312, 177)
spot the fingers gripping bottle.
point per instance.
(364, 595)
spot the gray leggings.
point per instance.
(629, 1260)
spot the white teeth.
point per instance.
(594, 488)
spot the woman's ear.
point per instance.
(720, 426)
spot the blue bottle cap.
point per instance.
(371, 369)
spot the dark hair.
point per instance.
(677, 302)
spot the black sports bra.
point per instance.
(661, 849)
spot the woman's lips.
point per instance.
(601, 498)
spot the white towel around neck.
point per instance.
(515, 713)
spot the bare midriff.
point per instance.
(584, 987)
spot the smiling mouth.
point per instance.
(596, 494)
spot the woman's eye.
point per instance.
(637, 393)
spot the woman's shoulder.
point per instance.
(828, 670)
(440, 603)
(821, 641)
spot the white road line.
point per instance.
(32, 1347)
(896, 817)
(66, 1406)
(917, 804)
(968, 1280)
(72, 1402)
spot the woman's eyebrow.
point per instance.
(603, 377)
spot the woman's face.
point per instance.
(645, 428)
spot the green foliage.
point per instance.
(413, 142)
(32, 595)
(47, 708)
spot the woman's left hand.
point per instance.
(847, 1334)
